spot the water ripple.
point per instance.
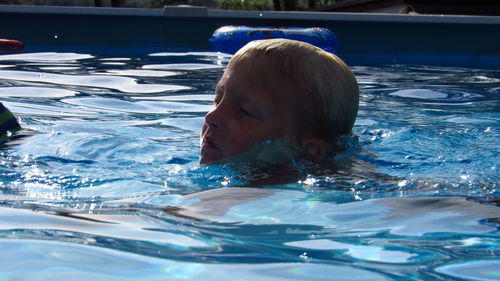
(140, 73)
(161, 107)
(52, 260)
(119, 83)
(436, 95)
(45, 57)
(183, 66)
(484, 270)
(35, 92)
(182, 54)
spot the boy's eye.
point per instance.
(246, 112)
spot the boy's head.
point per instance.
(280, 89)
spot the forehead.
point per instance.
(254, 76)
(255, 87)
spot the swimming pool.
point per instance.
(96, 188)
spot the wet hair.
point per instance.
(319, 87)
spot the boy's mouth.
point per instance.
(210, 152)
(208, 144)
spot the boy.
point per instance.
(277, 100)
(280, 93)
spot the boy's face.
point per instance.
(246, 113)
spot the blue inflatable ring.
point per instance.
(229, 39)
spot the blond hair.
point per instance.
(319, 87)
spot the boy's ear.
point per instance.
(314, 147)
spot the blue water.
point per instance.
(104, 184)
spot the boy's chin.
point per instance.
(269, 152)
(210, 154)
(208, 157)
(207, 160)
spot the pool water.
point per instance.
(104, 183)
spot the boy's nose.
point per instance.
(213, 118)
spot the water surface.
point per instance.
(106, 186)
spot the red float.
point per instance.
(10, 45)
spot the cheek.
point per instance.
(241, 139)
